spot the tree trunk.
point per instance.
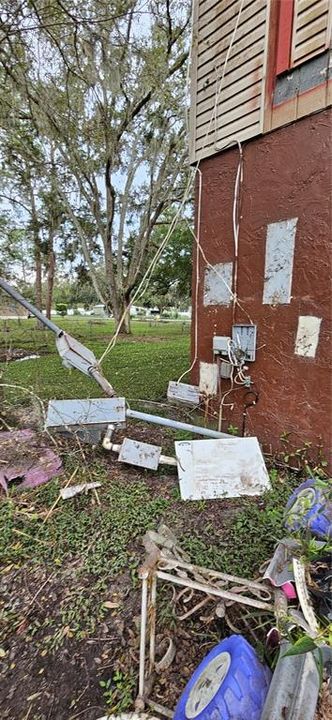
(38, 282)
(37, 254)
(50, 278)
(54, 225)
(123, 322)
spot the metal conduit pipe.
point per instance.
(175, 424)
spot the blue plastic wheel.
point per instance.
(229, 684)
(310, 508)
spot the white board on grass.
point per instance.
(138, 453)
(211, 469)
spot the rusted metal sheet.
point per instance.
(211, 469)
(279, 255)
(183, 393)
(140, 453)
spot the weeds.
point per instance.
(91, 544)
(118, 691)
(250, 539)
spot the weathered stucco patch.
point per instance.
(307, 335)
(218, 284)
(279, 256)
(208, 378)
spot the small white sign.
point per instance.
(230, 467)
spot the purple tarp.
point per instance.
(24, 455)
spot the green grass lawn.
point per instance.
(136, 369)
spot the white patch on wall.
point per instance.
(218, 284)
(279, 257)
(208, 378)
(307, 335)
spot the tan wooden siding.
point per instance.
(231, 109)
(311, 29)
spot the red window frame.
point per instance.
(285, 33)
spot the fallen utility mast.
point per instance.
(76, 355)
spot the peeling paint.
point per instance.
(218, 284)
(279, 256)
(307, 335)
(208, 378)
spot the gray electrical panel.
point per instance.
(244, 337)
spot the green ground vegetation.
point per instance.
(89, 543)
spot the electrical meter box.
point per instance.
(220, 345)
(244, 337)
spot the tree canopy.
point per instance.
(92, 133)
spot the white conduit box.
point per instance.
(220, 345)
(183, 393)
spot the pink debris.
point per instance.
(289, 591)
(24, 456)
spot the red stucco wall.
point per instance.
(287, 174)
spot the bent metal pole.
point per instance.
(31, 308)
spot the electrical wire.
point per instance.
(186, 372)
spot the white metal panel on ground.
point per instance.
(211, 469)
(95, 411)
(279, 256)
(307, 335)
(227, 98)
(141, 454)
(183, 393)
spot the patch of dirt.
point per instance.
(11, 354)
(23, 416)
(59, 683)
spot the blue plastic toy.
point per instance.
(310, 507)
(229, 684)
